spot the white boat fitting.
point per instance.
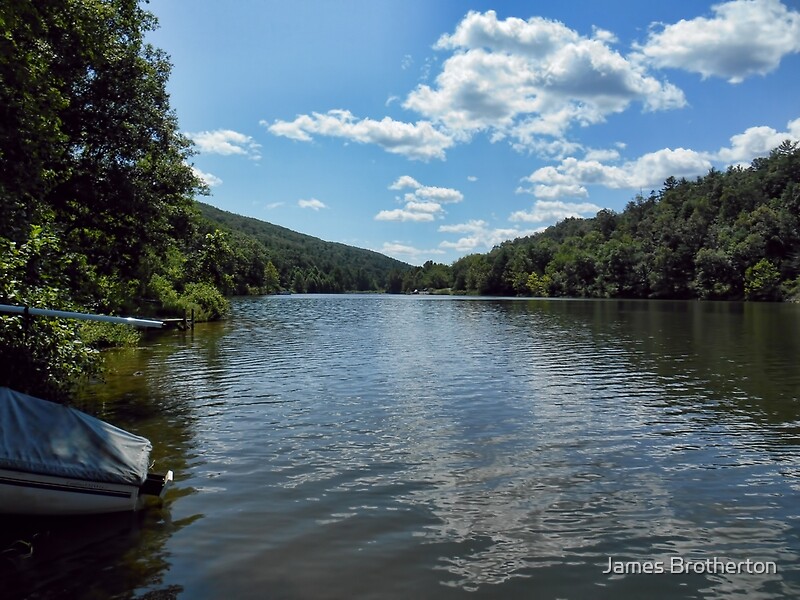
(56, 460)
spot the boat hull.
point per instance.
(33, 494)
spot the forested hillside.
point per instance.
(728, 235)
(305, 263)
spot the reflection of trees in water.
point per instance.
(740, 357)
(153, 390)
(149, 391)
(106, 556)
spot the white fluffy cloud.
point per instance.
(550, 211)
(743, 38)
(226, 142)
(426, 192)
(478, 234)
(531, 81)
(419, 141)
(474, 226)
(311, 203)
(209, 179)
(757, 141)
(531, 78)
(422, 202)
(438, 194)
(404, 214)
(405, 181)
(571, 176)
(528, 81)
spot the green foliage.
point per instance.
(205, 300)
(213, 262)
(539, 285)
(89, 136)
(163, 293)
(430, 277)
(95, 187)
(726, 236)
(762, 281)
(714, 274)
(108, 335)
(98, 148)
(272, 279)
(44, 357)
(471, 274)
(620, 268)
(791, 290)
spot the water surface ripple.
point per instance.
(394, 447)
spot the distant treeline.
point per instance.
(726, 236)
(303, 263)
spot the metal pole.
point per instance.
(74, 315)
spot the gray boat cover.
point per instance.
(37, 436)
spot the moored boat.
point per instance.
(56, 460)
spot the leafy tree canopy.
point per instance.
(95, 187)
(732, 235)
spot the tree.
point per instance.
(298, 282)
(88, 137)
(272, 280)
(91, 155)
(394, 282)
(39, 356)
(435, 275)
(477, 276)
(214, 262)
(619, 271)
(32, 142)
(539, 285)
(762, 281)
(606, 222)
(715, 275)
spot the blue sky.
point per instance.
(428, 130)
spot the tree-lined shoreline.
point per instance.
(100, 214)
(732, 235)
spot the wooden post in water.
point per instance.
(26, 322)
(193, 317)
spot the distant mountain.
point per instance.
(309, 264)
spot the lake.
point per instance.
(378, 446)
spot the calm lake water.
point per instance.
(440, 447)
